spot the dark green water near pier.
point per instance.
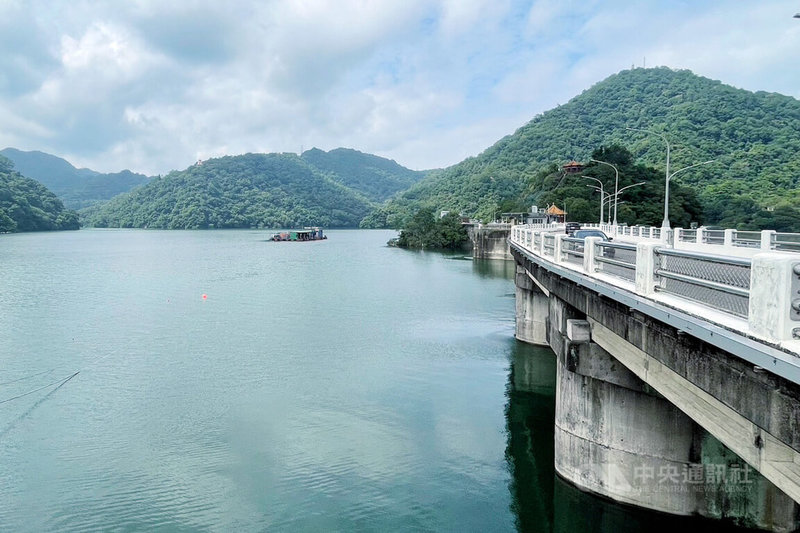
(339, 385)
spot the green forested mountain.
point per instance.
(752, 136)
(252, 190)
(641, 200)
(77, 187)
(27, 205)
(375, 177)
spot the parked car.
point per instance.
(584, 233)
(571, 227)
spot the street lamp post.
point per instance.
(605, 199)
(616, 185)
(665, 223)
(602, 194)
(669, 178)
(619, 193)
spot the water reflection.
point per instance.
(493, 268)
(541, 501)
(529, 417)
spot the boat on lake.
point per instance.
(305, 234)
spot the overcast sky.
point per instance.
(156, 85)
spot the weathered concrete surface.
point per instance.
(768, 401)
(532, 310)
(774, 287)
(611, 432)
(754, 413)
(732, 489)
(617, 437)
(490, 241)
(761, 504)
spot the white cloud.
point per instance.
(153, 86)
(459, 17)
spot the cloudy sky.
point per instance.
(154, 85)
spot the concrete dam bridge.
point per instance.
(678, 365)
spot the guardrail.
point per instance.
(763, 292)
(788, 242)
(720, 282)
(724, 238)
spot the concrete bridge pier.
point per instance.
(613, 435)
(532, 310)
(617, 437)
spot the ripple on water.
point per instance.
(346, 386)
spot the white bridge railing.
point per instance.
(729, 240)
(758, 295)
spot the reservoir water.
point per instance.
(227, 383)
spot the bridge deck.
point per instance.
(721, 314)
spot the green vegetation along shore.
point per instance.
(27, 205)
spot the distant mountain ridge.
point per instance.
(375, 177)
(331, 189)
(753, 138)
(76, 187)
(27, 205)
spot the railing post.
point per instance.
(767, 238)
(558, 245)
(541, 243)
(646, 268)
(700, 235)
(774, 310)
(730, 235)
(589, 253)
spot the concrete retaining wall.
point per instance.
(490, 243)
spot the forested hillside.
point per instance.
(252, 190)
(641, 198)
(76, 187)
(753, 138)
(27, 205)
(375, 177)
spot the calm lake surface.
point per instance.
(335, 385)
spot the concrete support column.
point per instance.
(532, 310)
(491, 243)
(616, 438)
(731, 489)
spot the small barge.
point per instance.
(306, 234)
